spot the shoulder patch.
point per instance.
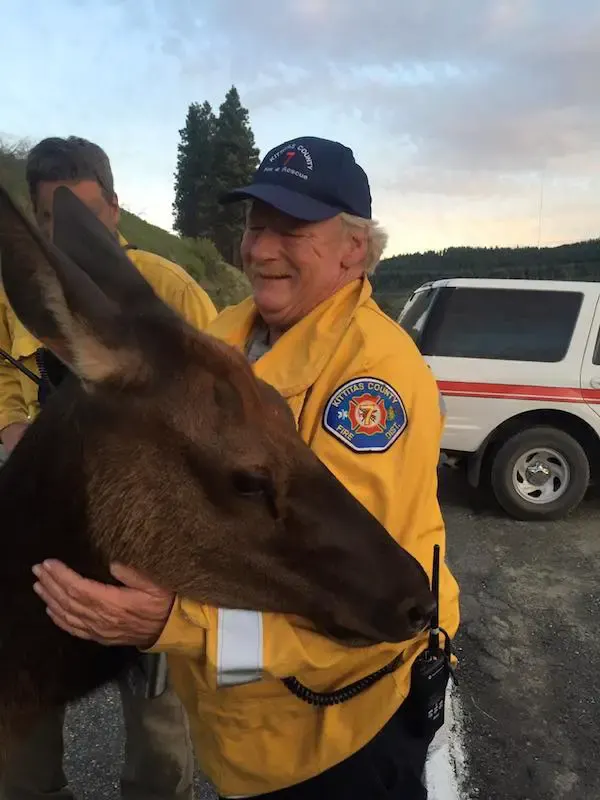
(366, 414)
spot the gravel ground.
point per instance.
(94, 749)
(529, 650)
(529, 653)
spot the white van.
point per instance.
(518, 365)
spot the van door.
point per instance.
(590, 367)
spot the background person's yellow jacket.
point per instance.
(18, 394)
(251, 735)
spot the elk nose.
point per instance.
(419, 616)
(404, 621)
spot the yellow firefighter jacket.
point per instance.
(18, 394)
(251, 735)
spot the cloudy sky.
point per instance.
(469, 115)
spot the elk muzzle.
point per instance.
(365, 587)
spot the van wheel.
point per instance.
(540, 473)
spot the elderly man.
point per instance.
(366, 403)
(159, 755)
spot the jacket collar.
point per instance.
(297, 358)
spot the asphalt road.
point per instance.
(529, 661)
(529, 650)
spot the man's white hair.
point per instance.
(376, 236)
(376, 239)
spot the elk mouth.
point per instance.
(409, 624)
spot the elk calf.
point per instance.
(164, 452)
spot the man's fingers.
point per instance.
(73, 595)
(60, 620)
(67, 592)
(73, 583)
(62, 605)
(93, 593)
(106, 614)
(69, 586)
(84, 627)
(73, 619)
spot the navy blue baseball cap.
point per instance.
(311, 179)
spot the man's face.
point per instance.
(89, 192)
(293, 265)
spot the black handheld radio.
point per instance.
(431, 671)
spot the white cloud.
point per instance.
(458, 109)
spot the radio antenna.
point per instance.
(434, 633)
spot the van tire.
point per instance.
(507, 455)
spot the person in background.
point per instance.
(159, 763)
(368, 406)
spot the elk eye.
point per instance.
(251, 484)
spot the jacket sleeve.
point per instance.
(176, 287)
(196, 306)
(12, 404)
(398, 486)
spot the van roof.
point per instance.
(514, 283)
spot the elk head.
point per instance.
(194, 471)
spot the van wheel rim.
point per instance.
(541, 475)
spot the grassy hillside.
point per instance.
(225, 284)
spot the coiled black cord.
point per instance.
(322, 699)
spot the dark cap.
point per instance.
(311, 179)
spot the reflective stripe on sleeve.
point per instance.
(240, 647)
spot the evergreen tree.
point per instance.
(194, 190)
(235, 159)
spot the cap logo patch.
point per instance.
(280, 160)
(366, 414)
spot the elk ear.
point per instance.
(79, 234)
(57, 302)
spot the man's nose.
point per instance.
(264, 246)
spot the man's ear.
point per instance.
(355, 248)
(59, 304)
(116, 211)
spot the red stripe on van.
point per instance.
(509, 391)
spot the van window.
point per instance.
(596, 356)
(414, 313)
(510, 324)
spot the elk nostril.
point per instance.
(420, 616)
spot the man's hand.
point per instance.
(112, 615)
(11, 435)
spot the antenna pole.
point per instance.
(434, 634)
